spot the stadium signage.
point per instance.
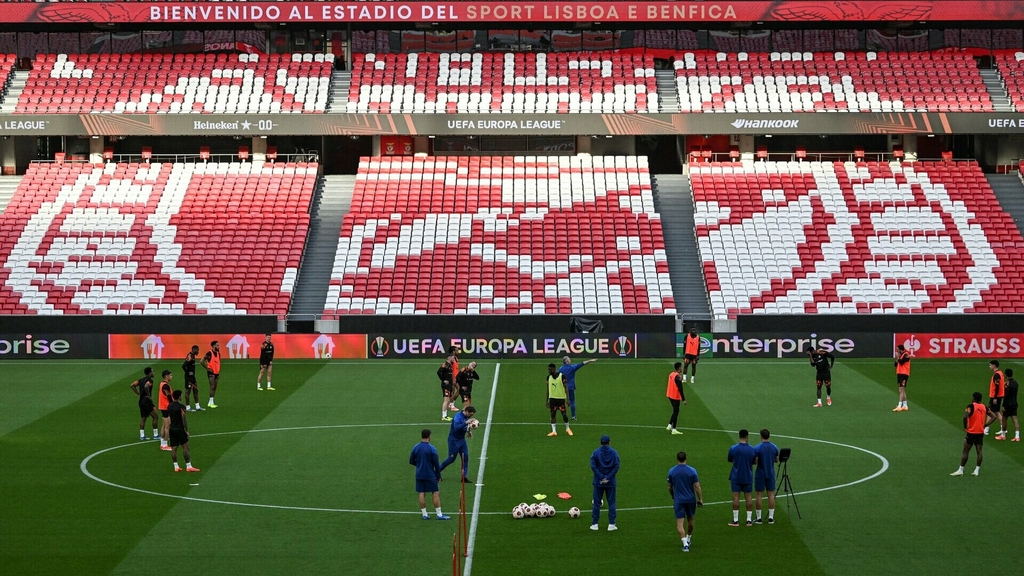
(20, 125)
(760, 345)
(991, 346)
(178, 12)
(29, 346)
(505, 124)
(746, 124)
(520, 345)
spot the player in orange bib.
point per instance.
(675, 395)
(902, 365)
(974, 425)
(163, 403)
(691, 353)
(211, 361)
(996, 391)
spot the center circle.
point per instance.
(84, 467)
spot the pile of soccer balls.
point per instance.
(541, 510)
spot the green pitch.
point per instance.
(314, 477)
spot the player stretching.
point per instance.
(178, 433)
(741, 477)
(556, 398)
(211, 361)
(902, 365)
(165, 400)
(191, 386)
(143, 387)
(996, 391)
(266, 362)
(1010, 407)
(457, 435)
(764, 476)
(444, 373)
(691, 353)
(974, 425)
(675, 396)
(823, 363)
(464, 381)
(568, 369)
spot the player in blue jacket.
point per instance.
(568, 369)
(457, 445)
(604, 462)
(428, 474)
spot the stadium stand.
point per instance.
(503, 82)
(944, 81)
(838, 238)
(1011, 67)
(180, 83)
(219, 238)
(501, 235)
(7, 62)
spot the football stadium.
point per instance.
(283, 286)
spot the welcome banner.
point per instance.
(454, 13)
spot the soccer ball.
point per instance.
(551, 511)
(518, 513)
(531, 511)
(473, 423)
(327, 355)
(542, 512)
(574, 512)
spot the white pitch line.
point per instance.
(468, 566)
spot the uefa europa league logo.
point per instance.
(622, 346)
(380, 346)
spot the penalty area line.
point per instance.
(474, 521)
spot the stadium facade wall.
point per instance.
(501, 324)
(190, 324)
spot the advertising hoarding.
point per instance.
(796, 345)
(47, 346)
(237, 346)
(963, 345)
(481, 346)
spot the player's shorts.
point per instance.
(994, 404)
(691, 358)
(426, 486)
(265, 363)
(823, 378)
(177, 437)
(901, 379)
(212, 377)
(165, 413)
(466, 393)
(1010, 410)
(191, 383)
(741, 487)
(447, 389)
(145, 406)
(975, 439)
(763, 483)
(556, 403)
(685, 509)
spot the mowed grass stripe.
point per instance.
(364, 467)
(32, 390)
(58, 521)
(611, 397)
(915, 507)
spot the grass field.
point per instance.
(314, 478)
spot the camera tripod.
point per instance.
(786, 486)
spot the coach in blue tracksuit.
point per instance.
(428, 474)
(605, 464)
(568, 369)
